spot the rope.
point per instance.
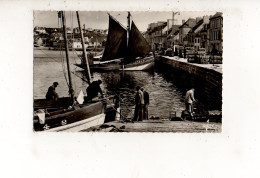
(49, 56)
(72, 47)
(63, 63)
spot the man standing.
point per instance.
(51, 93)
(93, 90)
(189, 99)
(139, 103)
(146, 103)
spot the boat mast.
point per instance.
(128, 27)
(71, 91)
(84, 52)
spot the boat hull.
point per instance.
(101, 67)
(74, 119)
(144, 64)
(85, 123)
(110, 65)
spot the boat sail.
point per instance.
(139, 55)
(121, 53)
(66, 114)
(116, 41)
(115, 48)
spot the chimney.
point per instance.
(206, 19)
(183, 21)
(198, 19)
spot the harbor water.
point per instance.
(166, 91)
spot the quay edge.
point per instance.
(210, 75)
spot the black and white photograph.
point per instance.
(129, 89)
(122, 71)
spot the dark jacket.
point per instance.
(146, 97)
(93, 89)
(139, 98)
(51, 93)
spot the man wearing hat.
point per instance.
(51, 93)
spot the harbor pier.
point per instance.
(205, 78)
(158, 126)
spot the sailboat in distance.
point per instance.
(126, 49)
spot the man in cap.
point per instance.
(51, 93)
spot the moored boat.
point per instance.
(63, 116)
(71, 113)
(122, 53)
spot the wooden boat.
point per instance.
(66, 114)
(122, 53)
(62, 116)
(139, 55)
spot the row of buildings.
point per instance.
(198, 33)
(53, 37)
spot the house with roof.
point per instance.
(193, 36)
(204, 37)
(185, 28)
(173, 35)
(157, 35)
(96, 41)
(216, 33)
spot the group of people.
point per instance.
(141, 104)
(141, 98)
(92, 91)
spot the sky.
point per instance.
(99, 19)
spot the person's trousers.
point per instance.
(189, 107)
(145, 113)
(138, 115)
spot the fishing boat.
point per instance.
(72, 113)
(126, 49)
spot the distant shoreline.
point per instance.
(47, 52)
(57, 48)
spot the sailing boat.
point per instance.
(139, 55)
(66, 114)
(122, 53)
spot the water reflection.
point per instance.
(164, 96)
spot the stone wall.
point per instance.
(207, 82)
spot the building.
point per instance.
(173, 35)
(40, 30)
(185, 28)
(96, 41)
(216, 34)
(193, 36)
(204, 37)
(77, 44)
(157, 35)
